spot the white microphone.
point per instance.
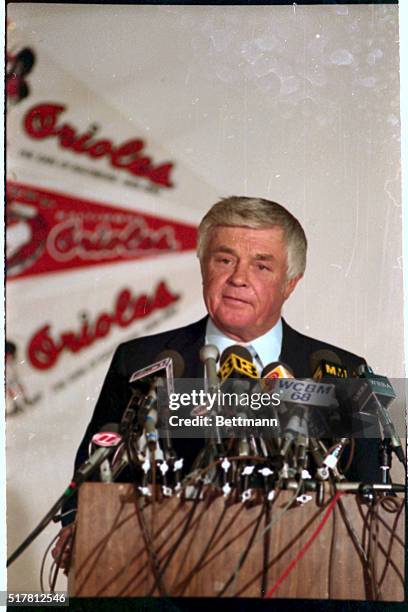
(209, 355)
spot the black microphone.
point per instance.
(328, 368)
(325, 363)
(236, 363)
(374, 395)
(238, 374)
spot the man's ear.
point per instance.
(290, 285)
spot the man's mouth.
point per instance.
(234, 300)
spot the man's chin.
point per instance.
(236, 327)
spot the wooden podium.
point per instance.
(126, 546)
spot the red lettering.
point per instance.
(100, 148)
(71, 341)
(79, 145)
(42, 351)
(161, 175)
(141, 167)
(67, 136)
(103, 325)
(141, 307)
(128, 149)
(85, 337)
(124, 311)
(163, 297)
(40, 121)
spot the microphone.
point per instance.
(325, 363)
(107, 440)
(373, 396)
(267, 383)
(209, 355)
(277, 369)
(107, 437)
(158, 376)
(178, 371)
(169, 363)
(327, 368)
(331, 458)
(177, 361)
(238, 373)
(149, 410)
(237, 363)
(296, 429)
(271, 373)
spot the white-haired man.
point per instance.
(252, 254)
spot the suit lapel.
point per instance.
(295, 351)
(188, 343)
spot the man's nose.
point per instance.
(239, 275)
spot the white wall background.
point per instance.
(298, 104)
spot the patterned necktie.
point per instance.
(257, 360)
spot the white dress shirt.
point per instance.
(265, 349)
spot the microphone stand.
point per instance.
(385, 460)
(81, 475)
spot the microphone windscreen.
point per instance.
(209, 351)
(323, 355)
(106, 436)
(277, 369)
(111, 427)
(177, 359)
(236, 349)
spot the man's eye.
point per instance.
(261, 266)
(223, 260)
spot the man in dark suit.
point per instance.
(252, 254)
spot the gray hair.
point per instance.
(257, 213)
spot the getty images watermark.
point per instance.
(223, 409)
(343, 408)
(201, 398)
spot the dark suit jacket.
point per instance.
(138, 353)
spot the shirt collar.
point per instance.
(268, 346)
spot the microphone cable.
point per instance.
(275, 519)
(181, 536)
(44, 557)
(234, 577)
(304, 549)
